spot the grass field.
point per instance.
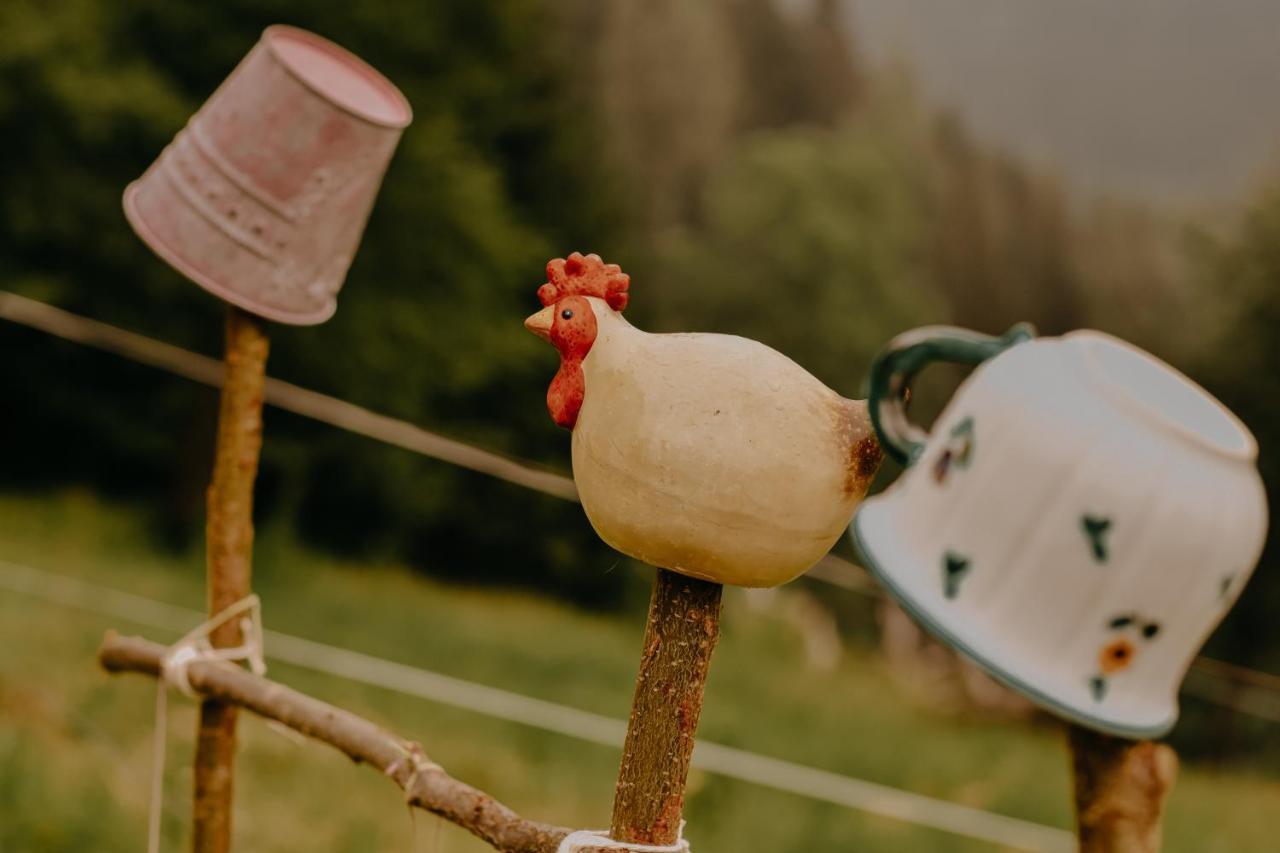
(75, 744)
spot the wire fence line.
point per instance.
(738, 764)
(1245, 690)
(282, 395)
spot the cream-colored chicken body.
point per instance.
(714, 455)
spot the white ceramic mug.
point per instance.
(1080, 519)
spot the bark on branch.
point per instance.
(683, 626)
(426, 785)
(1120, 789)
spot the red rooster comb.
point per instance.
(585, 276)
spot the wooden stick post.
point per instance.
(1120, 789)
(229, 554)
(683, 626)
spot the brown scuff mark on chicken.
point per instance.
(865, 458)
(862, 451)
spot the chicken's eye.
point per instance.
(567, 313)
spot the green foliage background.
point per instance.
(740, 162)
(493, 178)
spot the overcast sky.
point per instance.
(1175, 100)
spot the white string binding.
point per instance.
(193, 647)
(589, 839)
(418, 762)
(413, 757)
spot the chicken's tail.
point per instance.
(863, 454)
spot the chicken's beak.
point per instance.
(540, 323)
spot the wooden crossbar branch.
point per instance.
(1120, 791)
(229, 558)
(681, 633)
(426, 785)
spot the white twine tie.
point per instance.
(193, 647)
(587, 840)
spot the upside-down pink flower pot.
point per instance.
(262, 198)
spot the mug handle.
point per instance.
(896, 365)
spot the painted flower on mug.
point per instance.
(1119, 654)
(1116, 656)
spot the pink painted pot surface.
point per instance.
(262, 198)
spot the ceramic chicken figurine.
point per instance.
(710, 455)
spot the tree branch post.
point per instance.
(229, 562)
(1120, 791)
(681, 633)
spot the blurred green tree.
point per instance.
(1242, 367)
(491, 179)
(813, 241)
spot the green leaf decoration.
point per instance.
(954, 568)
(1096, 528)
(1098, 685)
(962, 442)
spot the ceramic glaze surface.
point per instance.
(1079, 520)
(262, 198)
(741, 476)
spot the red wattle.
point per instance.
(564, 397)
